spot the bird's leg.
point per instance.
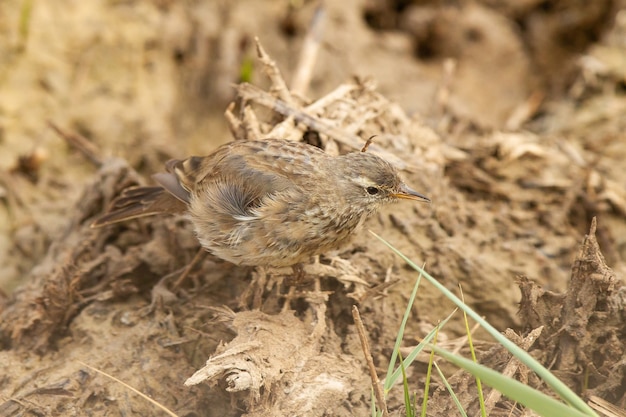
(293, 281)
(254, 291)
(200, 255)
(298, 275)
(298, 272)
(259, 281)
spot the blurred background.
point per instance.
(147, 80)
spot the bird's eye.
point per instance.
(372, 190)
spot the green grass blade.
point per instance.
(470, 342)
(428, 375)
(389, 381)
(559, 387)
(451, 391)
(409, 410)
(529, 397)
(374, 412)
(399, 337)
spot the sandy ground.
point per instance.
(509, 115)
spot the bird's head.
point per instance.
(370, 181)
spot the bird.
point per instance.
(268, 202)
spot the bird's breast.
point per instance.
(284, 229)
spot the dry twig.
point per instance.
(249, 92)
(308, 54)
(82, 144)
(510, 369)
(378, 392)
(272, 71)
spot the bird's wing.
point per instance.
(276, 157)
(235, 180)
(243, 159)
(240, 179)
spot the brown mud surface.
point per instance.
(510, 115)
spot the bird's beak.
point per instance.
(409, 194)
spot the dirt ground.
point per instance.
(509, 115)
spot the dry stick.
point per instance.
(380, 398)
(288, 297)
(510, 369)
(259, 281)
(251, 124)
(308, 55)
(233, 122)
(87, 148)
(196, 260)
(605, 408)
(286, 129)
(379, 291)
(136, 391)
(278, 82)
(252, 93)
(340, 93)
(320, 306)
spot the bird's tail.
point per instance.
(140, 202)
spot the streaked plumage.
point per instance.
(268, 202)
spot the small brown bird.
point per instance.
(268, 202)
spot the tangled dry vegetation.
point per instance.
(528, 212)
